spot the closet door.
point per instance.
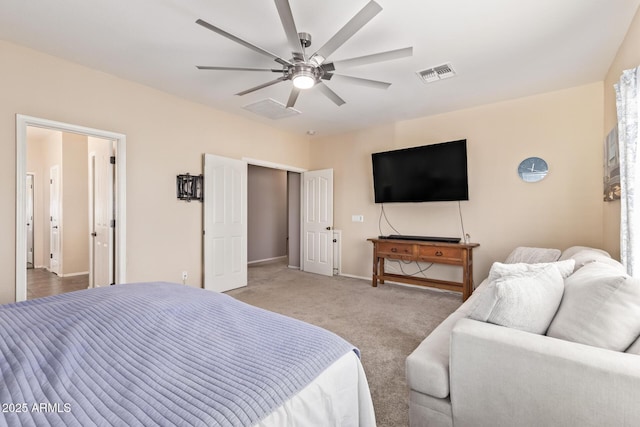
(317, 222)
(225, 223)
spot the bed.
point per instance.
(167, 354)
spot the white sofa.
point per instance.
(477, 373)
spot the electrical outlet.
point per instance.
(185, 276)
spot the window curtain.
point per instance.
(627, 102)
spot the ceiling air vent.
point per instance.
(271, 109)
(433, 74)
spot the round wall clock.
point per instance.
(533, 169)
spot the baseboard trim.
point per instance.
(294, 267)
(267, 259)
(81, 273)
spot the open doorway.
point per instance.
(65, 209)
(69, 213)
(273, 223)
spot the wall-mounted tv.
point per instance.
(430, 173)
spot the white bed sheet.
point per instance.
(340, 396)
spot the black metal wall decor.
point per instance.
(189, 187)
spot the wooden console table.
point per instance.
(459, 254)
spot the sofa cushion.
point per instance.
(587, 256)
(427, 367)
(570, 252)
(600, 307)
(532, 255)
(524, 297)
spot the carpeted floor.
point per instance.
(386, 323)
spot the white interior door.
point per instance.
(225, 223)
(317, 222)
(30, 215)
(54, 219)
(101, 213)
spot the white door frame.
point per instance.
(22, 122)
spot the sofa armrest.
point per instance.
(506, 377)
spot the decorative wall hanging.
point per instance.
(189, 187)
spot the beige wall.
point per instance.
(565, 209)
(166, 136)
(628, 56)
(75, 204)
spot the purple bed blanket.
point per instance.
(153, 354)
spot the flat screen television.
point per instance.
(430, 173)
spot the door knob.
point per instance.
(94, 234)
(329, 228)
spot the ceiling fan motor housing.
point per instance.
(305, 39)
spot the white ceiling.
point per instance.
(500, 49)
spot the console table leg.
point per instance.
(467, 279)
(374, 277)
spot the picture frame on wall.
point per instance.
(611, 166)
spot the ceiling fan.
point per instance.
(308, 71)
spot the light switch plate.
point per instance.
(357, 218)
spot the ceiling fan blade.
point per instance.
(289, 25)
(262, 86)
(330, 94)
(293, 97)
(363, 82)
(365, 15)
(207, 67)
(244, 43)
(370, 59)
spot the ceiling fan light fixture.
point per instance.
(304, 80)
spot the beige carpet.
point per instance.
(386, 323)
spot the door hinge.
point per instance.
(113, 223)
(112, 160)
(50, 181)
(51, 256)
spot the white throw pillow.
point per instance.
(600, 307)
(532, 255)
(587, 256)
(526, 299)
(499, 269)
(570, 252)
